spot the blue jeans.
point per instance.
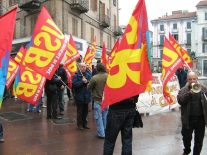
(1, 131)
(60, 93)
(31, 107)
(119, 120)
(100, 117)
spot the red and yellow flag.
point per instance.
(181, 51)
(171, 61)
(28, 84)
(47, 48)
(12, 71)
(90, 54)
(71, 56)
(104, 57)
(113, 52)
(130, 70)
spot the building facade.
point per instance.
(180, 24)
(84, 19)
(189, 29)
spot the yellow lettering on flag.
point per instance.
(118, 79)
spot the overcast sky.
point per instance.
(155, 8)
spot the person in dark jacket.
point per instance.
(51, 93)
(181, 74)
(120, 117)
(82, 95)
(1, 133)
(193, 114)
(61, 87)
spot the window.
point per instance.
(205, 15)
(189, 50)
(161, 39)
(1, 11)
(175, 36)
(74, 27)
(109, 41)
(175, 26)
(205, 67)
(161, 53)
(12, 2)
(188, 25)
(188, 38)
(204, 33)
(92, 34)
(161, 27)
(93, 5)
(101, 37)
(204, 47)
(114, 2)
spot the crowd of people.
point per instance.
(121, 117)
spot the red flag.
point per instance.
(113, 51)
(48, 46)
(130, 70)
(171, 61)
(72, 53)
(7, 25)
(12, 71)
(181, 51)
(104, 57)
(90, 54)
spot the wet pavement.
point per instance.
(35, 135)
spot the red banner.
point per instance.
(130, 70)
(28, 84)
(7, 25)
(104, 57)
(48, 46)
(90, 54)
(12, 71)
(72, 53)
(181, 51)
(171, 61)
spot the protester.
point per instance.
(51, 93)
(181, 74)
(193, 114)
(61, 88)
(96, 85)
(121, 117)
(1, 133)
(82, 96)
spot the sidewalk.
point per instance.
(33, 134)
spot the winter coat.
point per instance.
(81, 94)
(184, 98)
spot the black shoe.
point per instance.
(80, 128)
(57, 117)
(61, 113)
(184, 153)
(100, 137)
(49, 117)
(85, 127)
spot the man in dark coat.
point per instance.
(61, 87)
(181, 74)
(82, 95)
(193, 114)
(51, 93)
(121, 117)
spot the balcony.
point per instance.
(104, 21)
(80, 5)
(29, 5)
(117, 31)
